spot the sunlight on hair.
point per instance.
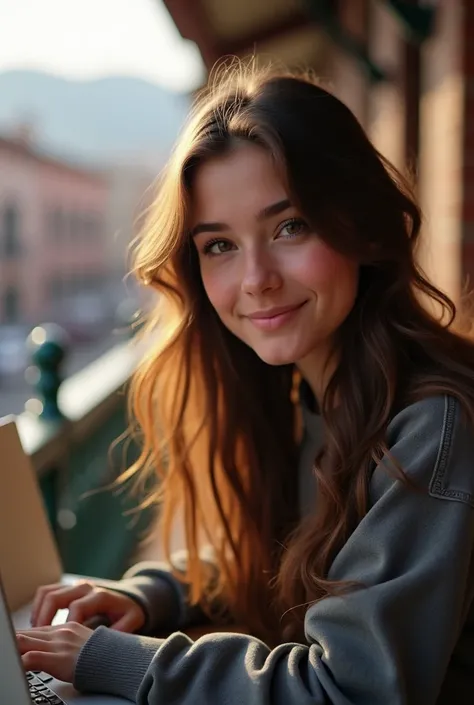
(213, 421)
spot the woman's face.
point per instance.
(272, 281)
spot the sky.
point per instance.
(94, 38)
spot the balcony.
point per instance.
(73, 432)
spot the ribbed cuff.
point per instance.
(163, 597)
(157, 596)
(115, 663)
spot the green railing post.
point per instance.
(48, 345)
(98, 525)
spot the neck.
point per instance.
(317, 369)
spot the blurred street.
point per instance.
(14, 390)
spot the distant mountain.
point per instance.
(109, 119)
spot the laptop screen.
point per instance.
(13, 685)
(28, 554)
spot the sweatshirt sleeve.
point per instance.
(388, 641)
(162, 596)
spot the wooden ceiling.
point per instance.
(274, 29)
(299, 33)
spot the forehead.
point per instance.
(245, 178)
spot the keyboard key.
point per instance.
(35, 682)
(39, 692)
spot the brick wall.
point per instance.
(348, 78)
(421, 118)
(386, 117)
(467, 166)
(442, 125)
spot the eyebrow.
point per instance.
(264, 214)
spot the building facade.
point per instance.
(53, 240)
(405, 67)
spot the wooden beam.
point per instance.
(192, 23)
(266, 33)
(411, 85)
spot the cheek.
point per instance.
(321, 268)
(220, 289)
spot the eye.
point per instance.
(217, 247)
(293, 228)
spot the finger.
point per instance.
(91, 605)
(129, 622)
(58, 599)
(38, 642)
(43, 661)
(39, 597)
(48, 591)
(40, 633)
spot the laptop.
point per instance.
(28, 559)
(28, 553)
(20, 688)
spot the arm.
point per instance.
(388, 642)
(162, 596)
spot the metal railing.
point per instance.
(71, 433)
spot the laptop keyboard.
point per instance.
(40, 693)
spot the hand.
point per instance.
(53, 649)
(86, 600)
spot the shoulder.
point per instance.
(438, 414)
(434, 444)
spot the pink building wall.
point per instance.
(37, 187)
(19, 186)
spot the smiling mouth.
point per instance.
(275, 318)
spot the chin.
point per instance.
(277, 357)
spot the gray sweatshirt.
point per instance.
(406, 638)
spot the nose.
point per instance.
(261, 274)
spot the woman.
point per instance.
(283, 246)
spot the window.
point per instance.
(57, 225)
(76, 226)
(84, 226)
(11, 305)
(56, 288)
(99, 227)
(93, 226)
(93, 282)
(11, 232)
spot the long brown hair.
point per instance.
(217, 423)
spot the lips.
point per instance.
(273, 312)
(274, 318)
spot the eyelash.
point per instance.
(210, 244)
(290, 221)
(294, 221)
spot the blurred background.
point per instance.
(92, 95)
